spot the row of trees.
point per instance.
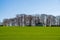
(32, 20)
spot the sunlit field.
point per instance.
(29, 33)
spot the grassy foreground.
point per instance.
(29, 33)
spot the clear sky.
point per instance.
(9, 8)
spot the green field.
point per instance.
(29, 33)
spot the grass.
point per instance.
(29, 33)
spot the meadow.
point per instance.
(29, 33)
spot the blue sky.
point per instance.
(9, 8)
